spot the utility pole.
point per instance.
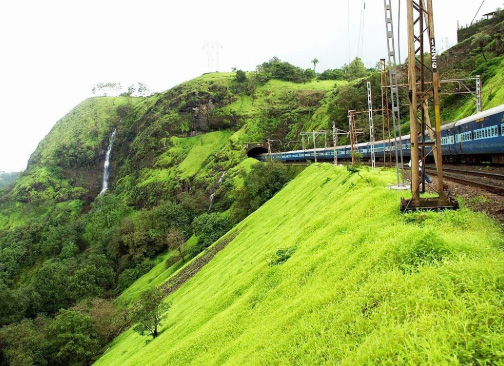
(371, 126)
(269, 147)
(479, 106)
(336, 132)
(385, 112)
(421, 23)
(394, 94)
(314, 134)
(353, 133)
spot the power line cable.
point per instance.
(478, 11)
(348, 32)
(361, 29)
(399, 31)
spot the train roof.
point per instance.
(484, 114)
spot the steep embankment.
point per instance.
(363, 284)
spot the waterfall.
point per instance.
(107, 163)
(212, 195)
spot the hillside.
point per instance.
(6, 179)
(364, 285)
(72, 262)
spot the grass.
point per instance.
(362, 284)
(203, 146)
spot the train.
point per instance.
(478, 139)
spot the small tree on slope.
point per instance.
(149, 311)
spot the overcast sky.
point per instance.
(52, 52)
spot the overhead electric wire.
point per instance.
(360, 39)
(399, 31)
(348, 32)
(478, 11)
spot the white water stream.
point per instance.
(219, 182)
(107, 163)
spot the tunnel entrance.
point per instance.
(256, 151)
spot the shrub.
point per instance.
(241, 77)
(208, 228)
(281, 256)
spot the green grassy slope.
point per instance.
(365, 285)
(203, 146)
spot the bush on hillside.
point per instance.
(335, 74)
(241, 77)
(263, 181)
(277, 69)
(209, 227)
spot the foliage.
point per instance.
(149, 311)
(176, 240)
(209, 227)
(335, 74)
(281, 256)
(241, 77)
(6, 179)
(355, 70)
(277, 69)
(480, 40)
(360, 288)
(263, 181)
(73, 339)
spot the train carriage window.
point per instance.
(487, 132)
(502, 129)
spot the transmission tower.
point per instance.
(424, 86)
(212, 51)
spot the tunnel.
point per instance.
(256, 151)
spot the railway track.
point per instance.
(491, 182)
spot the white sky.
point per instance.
(53, 51)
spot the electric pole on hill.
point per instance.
(424, 86)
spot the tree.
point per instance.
(149, 311)
(355, 70)
(73, 339)
(23, 343)
(314, 62)
(263, 181)
(241, 76)
(481, 39)
(209, 227)
(175, 241)
(105, 89)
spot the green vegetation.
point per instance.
(149, 311)
(364, 285)
(6, 179)
(179, 180)
(203, 146)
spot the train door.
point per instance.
(450, 134)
